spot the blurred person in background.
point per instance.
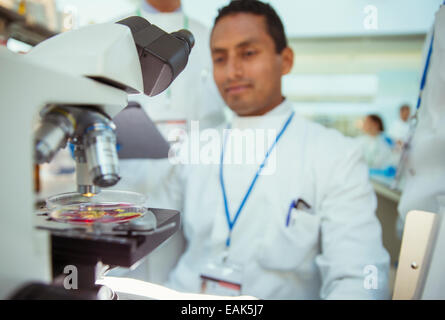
(398, 131)
(374, 143)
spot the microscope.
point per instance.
(68, 89)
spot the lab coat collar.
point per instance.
(284, 108)
(272, 119)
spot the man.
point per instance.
(298, 224)
(399, 129)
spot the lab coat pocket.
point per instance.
(288, 247)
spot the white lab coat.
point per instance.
(425, 169)
(399, 130)
(325, 254)
(377, 152)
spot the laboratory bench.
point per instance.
(387, 202)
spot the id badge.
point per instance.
(221, 277)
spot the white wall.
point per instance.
(336, 17)
(301, 18)
(97, 11)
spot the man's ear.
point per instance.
(287, 56)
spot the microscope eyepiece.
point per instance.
(162, 55)
(185, 36)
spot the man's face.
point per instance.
(246, 67)
(370, 127)
(404, 113)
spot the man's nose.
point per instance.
(234, 68)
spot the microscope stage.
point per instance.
(114, 244)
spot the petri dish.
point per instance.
(87, 213)
(108, 206)
(104, 197)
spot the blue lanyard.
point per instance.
(413, 122)
(230, 223)
(425, 71)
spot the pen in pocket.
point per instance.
(298, 204)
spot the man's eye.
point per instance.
(249, 53)
(218, 60)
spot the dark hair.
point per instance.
(273, 22)
(376, 119)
